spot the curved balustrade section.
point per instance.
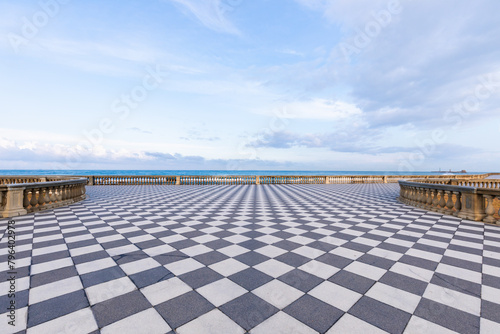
(467, 199)
(19, 198)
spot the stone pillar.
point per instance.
(490, 210)
(14, 204)
(257, 179)
(327, 180)
(177, 180)
(472, 207)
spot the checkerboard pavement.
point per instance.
(258, 259)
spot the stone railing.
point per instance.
(105, 180)
(477, 200)
(20, 195)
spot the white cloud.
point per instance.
(210, 13)
(320, 109)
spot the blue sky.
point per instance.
(240, 84)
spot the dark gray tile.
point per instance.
(56, 307)
(449, 317)
(151, 276)
(419, 262)
(119, 307)
(352, 281)
(250, 278)
(183, 309)
(490, 311)
(300, 280)
(200, 277)
(211, 257)
(457, 284)
(248, 310)
(251, 258)
(316, 314)
(376, 261)
(101, 276)
(404, 283)
(170, 257)
(52, 276)
(292, 259)
(334, 260)
(381, 315)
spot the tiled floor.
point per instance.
(258, 259)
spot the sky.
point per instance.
(337, 85)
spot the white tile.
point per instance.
(491, 270)
(88, 267)
(47, 250)
(134, 267)
(141, 238)
(122, 250)
(385, 254)
(467, 244)
(51, 265)
(271, 251)
(453, 299)
(159, 250)
(145, 322)
(85, 250)
(412, 271)
(366, 270)
(309, 252)
(490, 294)
(236, 239)
(79, 322)
(462, 273)
(50, 237)
(203, 239)
(107, 290)
(196, 250)
(424, 255)
(110, 238)
(278, 293)
(464, 256)
(487, 326)
(228, 267)
(221, 291)
(213, 322)
(350, 324)
(173, 238)
(417, 325)
(301, 240)
(397, 298)
(273, 268)
(183, 266)
(335, 295)
(233, 250)
(366, 241)
(319, 269)
(282, 323)
(78, 238)
(347, 253)
(19, 324)
(268, 239)
(333, 241)
(165, 290)
(54, 289)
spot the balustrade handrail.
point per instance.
(478, 203)
(49, 192)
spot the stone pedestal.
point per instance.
(14, 204)
(472, 207)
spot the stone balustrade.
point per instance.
(479, 202)
(22, 196)
(104, 180)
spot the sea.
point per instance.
(210, 172)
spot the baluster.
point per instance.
(490, 210)
(442, 202)
(458, 203)
(449, 203)
(26, 201)
(33, 200)
(41, 196)
(435, 200)
(53, 195)
(429, 199)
